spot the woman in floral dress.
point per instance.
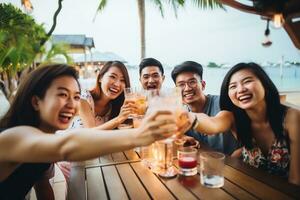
(268, 131)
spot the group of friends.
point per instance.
(246, 120)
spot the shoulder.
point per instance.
(23, 130)
(86, 94)
(12, 136)
(292, 116)
(213, 98)
(292, 123)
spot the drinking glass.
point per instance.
(141, 102)
(187, 161)
(130, 95)
(162, 162)
(211, 169)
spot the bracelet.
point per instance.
(195, 123)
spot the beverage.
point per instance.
(141, 103)
(187, 161)
(212, 181)
(211, 172)
(130, 95)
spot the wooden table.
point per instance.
(123, 176)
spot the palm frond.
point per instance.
(100, 8)
(160, 6)
(102, 5)
(203, 4)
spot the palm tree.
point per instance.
(203, 4)
(28, 7)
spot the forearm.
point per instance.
(83, 144)
(26, 144)
(109, 125)
(210, 125)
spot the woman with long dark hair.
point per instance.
(46, 101)
(104, 105)
(268, 131)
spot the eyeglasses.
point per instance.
(191, 83)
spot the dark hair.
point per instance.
(37, 82)
(96, 92)
(275, 110)
(187, 66)
(146, 62)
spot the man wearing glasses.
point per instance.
(188, 76)
(151, 74)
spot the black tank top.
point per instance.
(19, 183)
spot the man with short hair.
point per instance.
(188, 76)
(151, 74)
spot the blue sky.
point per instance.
(222, 36)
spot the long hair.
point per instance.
(96, 92)
(275, 110)
(21, 111)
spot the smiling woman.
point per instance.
(267, 130)
(104, 105)
(46, 101)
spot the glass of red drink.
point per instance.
(187, 161)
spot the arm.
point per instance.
(86, 114)
(127, 108)
(28, 144)
(222, 122)
(292, 125)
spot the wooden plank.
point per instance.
(114, 184)
(106, 159)
(269, 179)
(236, 191)
(250, 184)
(117, 157)
(134, 187)
(95, 184)
(178, 188)
(202, 192)
(152, 184)
(77, 189)
(131, 155)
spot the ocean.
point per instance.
(289, 81)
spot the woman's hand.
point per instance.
(157, 126)
(129, 107)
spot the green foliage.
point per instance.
(213, 65)
(20, 39)
(58, 49)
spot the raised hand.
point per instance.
(129, 107)
(156, 126)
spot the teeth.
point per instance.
(189, 95)
(66, 114)
(244, 97)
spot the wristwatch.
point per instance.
(195, 123)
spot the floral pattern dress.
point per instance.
(277, 161)
(77, 121)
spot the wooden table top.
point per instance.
(123, 176)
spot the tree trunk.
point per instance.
(54, 22)
(141, 10)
